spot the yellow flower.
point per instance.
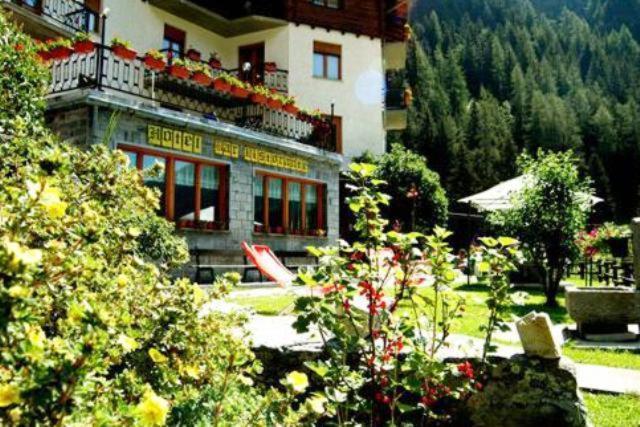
(36, 336)
(316, 404)
(192, 370)
(298, 381)
(128, 344)
(20, 255)
(9, 394)
(156, 356)
(122, 280)
(153, 409)
(19, 292)
(50, 201)
(198, 294)
(15, 414)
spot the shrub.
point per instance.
(418, 200)
(384, 310)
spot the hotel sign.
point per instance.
(260, 156)
(174, 139)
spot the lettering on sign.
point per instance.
(260, 156)
(174, 139)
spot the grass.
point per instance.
(613, 411)
(268, 305)
(611, 358)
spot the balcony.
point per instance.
(51, 18)
(104, 70)
(396, 101)
(228, 18)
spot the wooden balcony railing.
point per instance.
(103, 70)
(71, 15)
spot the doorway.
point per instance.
(254, 56)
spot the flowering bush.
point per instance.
(93, 330)
(385, 309)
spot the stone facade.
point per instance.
(86, 118)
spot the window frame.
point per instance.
(327, 50)
(320, 188)
(177, 36)
(169, 190)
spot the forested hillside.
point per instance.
(491, 78)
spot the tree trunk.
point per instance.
(552, 278)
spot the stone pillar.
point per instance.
(635, 228)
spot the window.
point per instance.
(288, 205)
(174, 40)
(91, 17)
(192, 192)
(327, 61)
(333, 4)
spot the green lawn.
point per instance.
(613, 411)
(267, 306)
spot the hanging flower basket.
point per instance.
(83, 47)
(259, 99)
(240, 92)
(274, 104)
(221, 85)
(123, 52)
(154, 64)
(60, 53)
(201, 78)
(179, 72)
(291, 109)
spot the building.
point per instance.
(235, 169)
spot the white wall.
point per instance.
(358, 96)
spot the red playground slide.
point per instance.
(268, 263)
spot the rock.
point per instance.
(529, 392)
(536, 335)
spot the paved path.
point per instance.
(276, 331)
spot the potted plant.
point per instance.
(59, 49)
(289, 105)
(200, 73)
(270, 67)
(194, 55)
(178, 69)
(122, 49)
(42, 50)
(617, 239)
(260, 95)
(154, 60)
(82, 43)
(214, 61)
(239, 89)
(274, 102)
(222, 83)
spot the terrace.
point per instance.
(51, 17)
(103, 69)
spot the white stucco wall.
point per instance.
(358, 96)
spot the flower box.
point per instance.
(83, 47)
(257, 98)
(60, 53)
(291, 109)
(123, 52)
(194, 55)
(215, 64)
(274, 104)
(270, 67)
(44, 55)
(179, 72)
(221, 85)
(201, 78)
(154, 64)
(240, 92)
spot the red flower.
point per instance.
(478, 386)
(347, 305)
(427, 401)
(466, 369)
(19, 47)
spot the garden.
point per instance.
(95, 329)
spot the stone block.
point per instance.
(536, 335)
